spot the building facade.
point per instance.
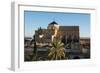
(69, 35)
(75, 47)
(85, 46)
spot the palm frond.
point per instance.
(57, 51)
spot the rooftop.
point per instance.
(69, 27)
(52, 23)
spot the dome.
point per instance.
(52, 23)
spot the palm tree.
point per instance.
(57, 51)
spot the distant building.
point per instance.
(84, 42)
(27, 41)
(85, 46)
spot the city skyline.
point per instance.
(35, 19)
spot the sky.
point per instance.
(35, 19)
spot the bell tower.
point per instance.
(55, 27)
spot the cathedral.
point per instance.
(67, 34)
(75, 46)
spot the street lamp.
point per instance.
(35, 48)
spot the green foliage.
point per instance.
(30, 57)
(57, 51)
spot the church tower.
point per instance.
(55, 27)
